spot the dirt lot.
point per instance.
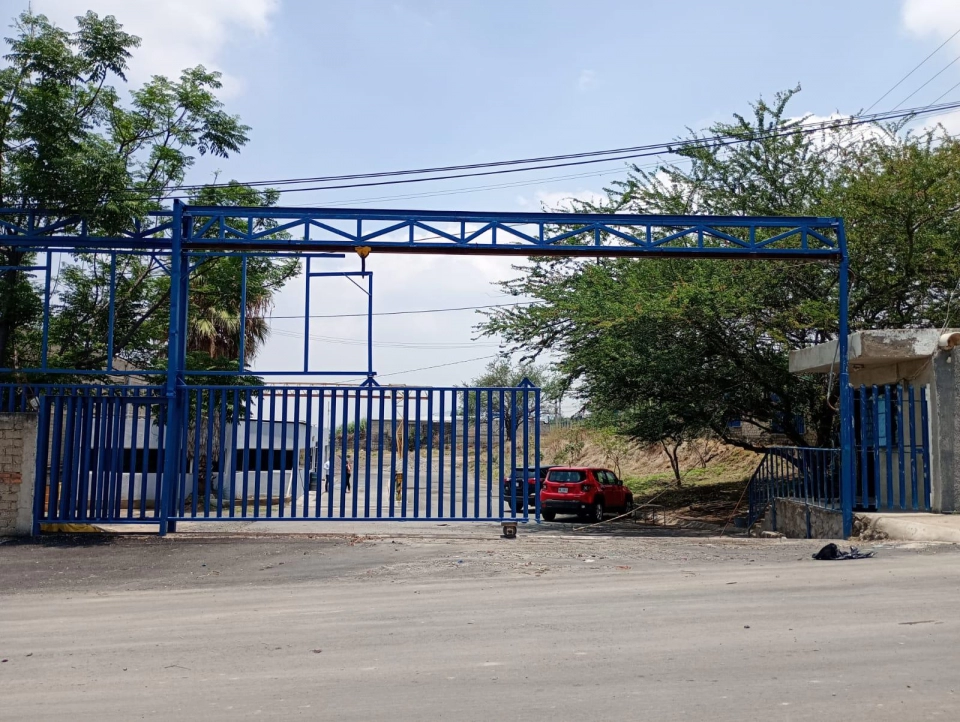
(455, 623)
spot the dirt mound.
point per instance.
(591, 447)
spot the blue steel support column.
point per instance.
(176, 341)
(370, 326)
(243, 312)
(306, 320)
(41, 475)
(846, 400)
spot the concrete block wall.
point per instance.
(18, 453)
(791, 521)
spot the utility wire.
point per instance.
(493, 186)
(439, 169)
(426, 345)
(475, 189)
(428, 368)
(621, 153)
(801, 128)
(915, 69)
(403, 313)
(475, 174)
(937, 75)
(950, 90)
(575, 159)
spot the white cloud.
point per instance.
(557, 200)
(950, 122)
(587, 80)
(937, 19)
(176, 34)
(847, 134)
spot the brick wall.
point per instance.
(18, 437)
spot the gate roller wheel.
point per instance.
(509, 530)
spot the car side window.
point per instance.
(605, 477)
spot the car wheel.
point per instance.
(549, 515)
(628, 505)
(596, 512)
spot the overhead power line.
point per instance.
(493, 186)
(949, 90)
(936, 75)
(568, 160)
(426, 345)
(403, 313)
(428, 368)
(915, 69)
(475, 189)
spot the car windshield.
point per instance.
(566, 476)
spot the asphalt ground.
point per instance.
(456, 623)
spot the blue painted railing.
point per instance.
(14, 398)
(890, 459)
(807, 474)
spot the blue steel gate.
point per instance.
(100, 452)
(891, 459)
(892, 453)
(286, 453)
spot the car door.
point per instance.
(622, 491)
(612, 494)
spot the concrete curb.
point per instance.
(904, 528)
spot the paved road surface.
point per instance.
(471, 627)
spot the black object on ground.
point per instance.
(831, 552)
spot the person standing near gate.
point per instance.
(327, 476)
(349, 469)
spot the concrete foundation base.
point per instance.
(796, 520)
(907, 526)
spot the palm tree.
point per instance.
(214, 323)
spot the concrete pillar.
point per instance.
(28, 476)
(945, 432)
(18, 461)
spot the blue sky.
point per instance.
(339, 87)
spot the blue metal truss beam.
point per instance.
(560, 234)
(447, 232)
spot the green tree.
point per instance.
(81, 315)
(215, 284)
(900, 195)
(502, 373)
(664, 348)
(70, 145)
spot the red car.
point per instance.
(584, 491)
